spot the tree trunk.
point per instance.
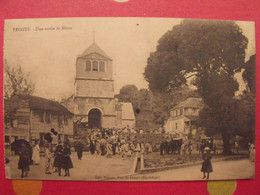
(226, 143)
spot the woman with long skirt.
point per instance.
(66, 160)
(24, 160)
(206, 165)
(58, 157)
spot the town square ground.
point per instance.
(95, 167)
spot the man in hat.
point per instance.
(79, 148)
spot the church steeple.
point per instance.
(92, 66)
(94, 49)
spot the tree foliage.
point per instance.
(16, 81)
(211, 52)
(249, 75)
(235, 114)
(126, 93)
(195, 47)
(245, 117)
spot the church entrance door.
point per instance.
(94, 118)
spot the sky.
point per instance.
(48, 48)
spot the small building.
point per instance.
(31, 117)
(183, 116)
(128, 116)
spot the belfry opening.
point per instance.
(95, 118)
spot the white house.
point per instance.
(183, 116)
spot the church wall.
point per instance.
(119, 119)
(84, 105)
(82, 73)
(108, 122)
(95, 88)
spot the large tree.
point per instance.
(16, 81)
(212, 52)
(195, 47)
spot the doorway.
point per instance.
(94, 118)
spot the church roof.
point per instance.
(127, 111)
(94, 48)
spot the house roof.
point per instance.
(36, 103)
(191, 102)
(177, 118)
(9, 106)
(193, 118)
(92, 49)
(127, 111)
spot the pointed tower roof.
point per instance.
(94, 49)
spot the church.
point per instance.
(93, 101)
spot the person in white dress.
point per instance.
(138, 147)
(36, 154)
(252, 152)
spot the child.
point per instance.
(206, 165)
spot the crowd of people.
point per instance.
(112, 142)
(106, 142)
(115, 142)
(54, 162)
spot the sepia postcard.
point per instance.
(129, 99)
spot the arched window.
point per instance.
(88, 65)
(95, 66)
(101, 66)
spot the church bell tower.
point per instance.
(94, 88)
